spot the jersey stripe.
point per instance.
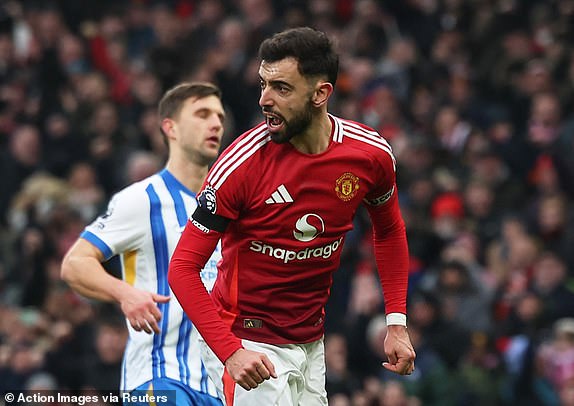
(174, 187)
(203, 378)
(222, 163)
(368, 138)
(337, 133)
(240, 161)
(349, 123)
(373, 135)
(361, 137)
(187, 326)
(161, 258)
(243, 150)
(180, 349)
(130, 267)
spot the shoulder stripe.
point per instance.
(367, 133)
(368, 138)
(378, 141)
(234, 151)
(337, 131)
(229, 154)
(240, 153)
(370, 142)
(375, 138)
(349, 123)
(242, 159)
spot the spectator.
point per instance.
(555, 358)
(21, 160)
(550, 281)
(339, 379)
(105, 366)
(86, 196)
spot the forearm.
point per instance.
(391, 255)
(191, 254)
(392, 263)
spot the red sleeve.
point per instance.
(190, 255)
(391, 253)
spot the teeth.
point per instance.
(274, 121)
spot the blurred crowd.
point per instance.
(475, 96)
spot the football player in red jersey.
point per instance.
(281, 198)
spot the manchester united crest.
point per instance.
(346, 186)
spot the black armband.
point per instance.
(210, 220)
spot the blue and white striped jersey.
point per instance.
(142, 226)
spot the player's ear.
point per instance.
(167, 125)
(323, 91)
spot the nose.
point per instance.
(215, 122)
(265, 98)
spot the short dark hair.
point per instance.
(312, 49)
(172, 101)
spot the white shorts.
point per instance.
(300, 378)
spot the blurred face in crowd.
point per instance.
(92, 88)
(544, 119)
(549, 273)
(110, 343)
(25, 145)
(105, 120)
(285, 99)
(452, 279)
(529, 307)
(551, 215)
(6, 49)
(478, 199)
(336, 354)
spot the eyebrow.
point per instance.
(208, 110)
(277, 82)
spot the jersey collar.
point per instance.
(173, 184)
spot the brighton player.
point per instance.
(142, 225)
(282, 197)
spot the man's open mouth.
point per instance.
(274, 123)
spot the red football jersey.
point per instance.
(289, 213)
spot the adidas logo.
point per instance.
(281, 195)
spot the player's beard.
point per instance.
(295, 126)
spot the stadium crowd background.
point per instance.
(476, 98)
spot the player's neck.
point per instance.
(189, 173)
(317, 137)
